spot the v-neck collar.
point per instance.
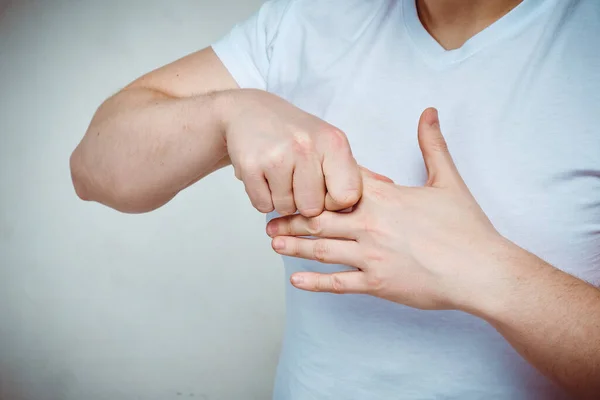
(516, 19)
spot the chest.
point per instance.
(528, 146)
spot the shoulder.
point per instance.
(330, 21)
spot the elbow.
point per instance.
(88, 185)
(115, 192)
(78, 176)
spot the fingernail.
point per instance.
(297, 280)
(278, 244)
(435, 118)
(271, 229)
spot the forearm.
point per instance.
(143, 147)
(551, 318)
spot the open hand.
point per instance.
(424, 247)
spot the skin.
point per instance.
(174, 126)
(453, 22)
(177, 124)
(440, 251)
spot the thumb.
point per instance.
(438, 161)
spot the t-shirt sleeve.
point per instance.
(246, 49)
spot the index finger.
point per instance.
(374, 175)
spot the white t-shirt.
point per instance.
(519, 106)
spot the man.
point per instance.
(310, 100)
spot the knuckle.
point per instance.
(302, 142)
(373, 256)
(320, 284)
(285, 227)
(295, 248)
(310, 212)
(310, 203)
(251, 176)
(262, 205)
(249, 163)
(352, 196)
(347, 198)
(377, 192)
(274, 159)
(337, 284)
(438, 143)
(374, 282)
(314, 226)
(369, 226)
(264, 208)
(320, 250)
(284, 204)
(335, 136)
(285, 212)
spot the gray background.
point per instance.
(184, 302)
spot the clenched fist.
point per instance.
(289, 160)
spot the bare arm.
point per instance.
(551, 318)
(155, 137)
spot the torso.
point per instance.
(520, 108)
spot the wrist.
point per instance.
(222, 104)
(228, 105)
(497, 276)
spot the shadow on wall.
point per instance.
(13, 387)
(3, 5)
(10, 388)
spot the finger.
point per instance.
(342, 176)
(441, 169)
(308, 183)
(258, 190)
(328, 251)
(373, 175)
(340, 282)
(280, 185)
(327, 225)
